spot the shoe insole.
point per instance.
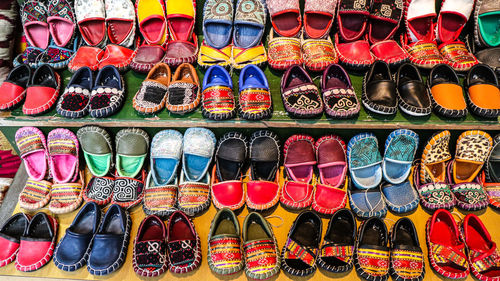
(129, 166)
(228, 170)
(287, 23)
(465, 170)
(306, 234)
(38, 33)
(218, 33)
(46, 79)
(372, 236)
(100, 163)
(381, 29)
(422, 27)
(489, 25)
(494, 169)
(36, 164)
(153, 28)
(85, 224)
(247, 35)
(477, 241)
(341, 232)
(367, 176)
(353, 25)
(396, 170)
(437, 171)
(254, 80)
(179, 50)
(63, 166)
(301, 173)
(195, 166)
(61, 30)
(225, 227)
(334, 82)
(263, 170)
(316, 24)
(164, 168)
(119, 29)
(15, 229)
(180, 27)
(332, 175)
(217, 77)
(403, 237)
(93, 30)
(180, 231)
(256, 232)
(110, 80)
(153, 232)
(114, 226)
(39, 228)
(450, 24)
(443, 234)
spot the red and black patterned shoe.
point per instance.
(13, 89)
(352, 17)
(43, 91)
(446, 251)
(183, 244)
(407, 258)
(10, 235)
(150, 251)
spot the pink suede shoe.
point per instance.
(33, 150)
(63, 155)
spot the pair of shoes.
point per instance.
(442, 183)
(403, 259)
(190, 192)
(30, 241)
(254, 102)
(301, 97)
(39, 89)
(101, 244)
(96, 58)
(99, 20)
(255, 247)
(158, 248)
(100, 98)
(262, 187)
(382, 93)
(126, 186)
(301, 186)
(56, 158)
(180, 94)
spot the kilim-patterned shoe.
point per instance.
(66, 197)
(183, 244)
(159, 200)
(457, 56)
(407, 258)
(35, 195)
(283, 52)
(254, 99)
(318, 54)
(33, 150)
(150, 250)
(63, 150)
(217, 97)
(193, 197)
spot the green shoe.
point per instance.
(97, 149)
(131, 150)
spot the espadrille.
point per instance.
(371, 254)
(150, 249)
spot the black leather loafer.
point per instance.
(413, 95)
(379, 90)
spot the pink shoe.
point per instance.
(63, 155)
(33, 150)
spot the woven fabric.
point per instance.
(486, 263)
(284, 51)
(61, 144)
(407, 264)
(364, 152)
(29, 141)
(424, 53)
(342, 253)
(470, 194)
(64, 195)
(225, 253)
(318, 53)
(218, 100)
(493, 191)
(251, 11)
(193, 195)
(75, 98)
(260, 256)
(218, 10)
(35, 191)
(151, 255)
(160, 198)
(182, 252)
(374, 262)
(443, 254)
(255, 100)
(402, 148)
(296, 251)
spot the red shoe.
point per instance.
(10, 235)
(13, 89)
(117, 56)
(446, 251)
(86, 56)
(354, 55)
(43, 91)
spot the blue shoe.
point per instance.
(367, 203)
(198, 150)
(73, 250)
(166, 152)
(108, 93)
(218, 22)
(249, 23)
(254, 98)
(217, 96)
(74, 102)
(400, 198)
(400, 148)
(364, 161)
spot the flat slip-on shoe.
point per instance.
(470, 196)
(407, 258)
(227, 187)
(146, 57)
(183, 244)
(390, 52)
(120, 21)
(435, 158)
(318, 17)
(150, 249)
(131, 150)
(38, 243)
(73, 249)
(62, 22)
(285, 17)
(262, 259)
(97, 149)
(473, 148)
(181, 51)
(225, 256)
(400, 148)
(107, 94)
(42, 91)
(446, 251)
(365, 161)
(446, 93)
(10, 237)
(300, 159)
(318, 54)
(63, 155)
(380, 93)
(283, 52)
(110, 243)
(166, 153)
(262, 187)
(218, 97)
(67, 197)
(152, 21)
(218, 23)
(150, 99)
(180, 19)
(14, 87)
(433, 195)
(366, 203)
(90, 16)
(302, 246)
(32, 147)
(413, 95)
(355, 55)
(160, 199)
(401, 197)
(197, 152)
(86, 56)
(371, 254)
(486, 13)
(352, 18)
(74, 101)
(385, 17)
(338, 93)
(457, 55)
(99, 190)
(254, 98)
(493, 161)
(330, 194)
(249, 24)
(424, 54)
(483, 93)
(452, 18)
(300, 95)
(193, 196)
(183, 94)
(117, 56)
(127, 191)
(336, 250)
(34, 17)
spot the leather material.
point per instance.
(485, 96)
(150, 248)
(449, 96)
(10, 234)
(389, 51)
(13, 87)
(382, 92)
(296, 194)
(328, 199)
(86, 56)
(411, 88)
(117, 56)
(183, 243)
(43, 90)
(354, 16)
(10, 92)
(149, 54)
(262, 192)
(228, 194)
(152, 21)
(357, 52)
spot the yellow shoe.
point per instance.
(151, 18)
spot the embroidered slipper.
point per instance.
(446, 251)
(227, 187)
(107, 94)
(74, 102)
(302, 246)
(63, 155)
(385, 17)
(318, 53)
(117, 56)
(99, 190)
(254, 98)
(97, 149)
(34, 17)
(285, 17)
(242, 57)
(493, 161)
(150, 249)
(283, 52)
(58, 57)
(249, 23)
(262, 259)
(131, 150)
(120, 19)
(61, 20)
(160, 199)
(300, 95)
(33, 150)
(318, 17)
(338, 243)
(407, 257)
(300, 159)
(400, 148)
(371, 254)
(330, 193)
(262, 187)
(446, 92)
(180, 19)
(401, 197)
(152, 21)
(217, 96)
(150, 99)
(433, 195)
(473, 148)
(146, 57)
(452, 18)
(457, 55)
(354, 55)
(10, 237)
(183, 244)
(208, 56)
(435, 158)
(366, 203)
(197, 152)
(14, 87)
(365, 161)
(127, 191)
(90, 16)
(66, 197)
(338, 93)
(352, 18)
(42, 91)
(218, 23)
(224, 255)
(181, 51)
(470, 196)
(86, 56)
(485, 32)
(183, 95)
(193, 196)
(38, 243)
(390, 52)
(483, 93)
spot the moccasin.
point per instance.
(183, 244)
(254, 98)
(150, 99)
(74, 101)
(150, 248)
(10, 237)
(483, 93)
(14, 87)
(446, 93)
